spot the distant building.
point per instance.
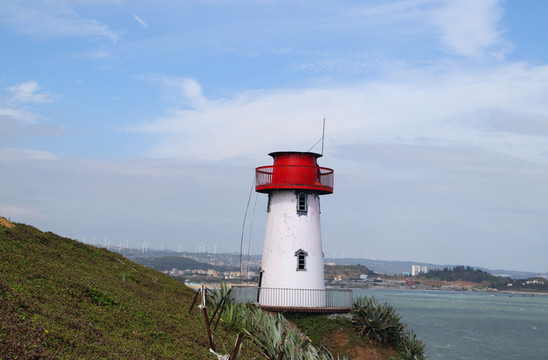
(418, 269)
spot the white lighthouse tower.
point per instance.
(292, 264)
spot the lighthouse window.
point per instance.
(302, 205)
(269, 201)
(301, 259)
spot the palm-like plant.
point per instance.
(410, 348)
(379, 323)
(382, 325)
(282, 340)
(220, 296)
(278, 338)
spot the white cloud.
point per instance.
(14, 114)
(140, 21)
(94, 54)
(11, 154)
(29, 92)
(17, 115)
(472, 28)
(185, 92)
(420, 108)
(52, 19)
(192, 91)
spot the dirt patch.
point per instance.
(342, 345)
(5, 223)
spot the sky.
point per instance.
(132, 123)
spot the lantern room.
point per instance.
(294, 170)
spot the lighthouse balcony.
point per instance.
(277, 177)
(328, 301)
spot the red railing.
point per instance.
(294, 177)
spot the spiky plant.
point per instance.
(381, 324)
(410, 348)
(278, 337)
(219, 297)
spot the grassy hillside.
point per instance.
(60, 298)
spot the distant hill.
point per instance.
(179, 262)
(465, 273)
(346, 272)
(478, 276)
(387, 267)
(398, 267)
(60, 298)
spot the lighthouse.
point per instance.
(292, 267)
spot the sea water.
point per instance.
(472, 325)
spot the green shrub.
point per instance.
(218, 298)
(410, 348)
(271, 332)
(381, 324)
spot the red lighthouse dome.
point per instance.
(294, 170)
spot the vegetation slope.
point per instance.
(63, 299)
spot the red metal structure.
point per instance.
(294, 170)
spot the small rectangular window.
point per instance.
(301, 259)
(302, 205)
(301, 262)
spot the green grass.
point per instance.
(62, 299)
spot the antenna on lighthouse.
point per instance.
(323, 134)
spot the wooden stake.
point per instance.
(236, 351)
(194, 301)
(204, 308)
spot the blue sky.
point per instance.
(142, 122)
